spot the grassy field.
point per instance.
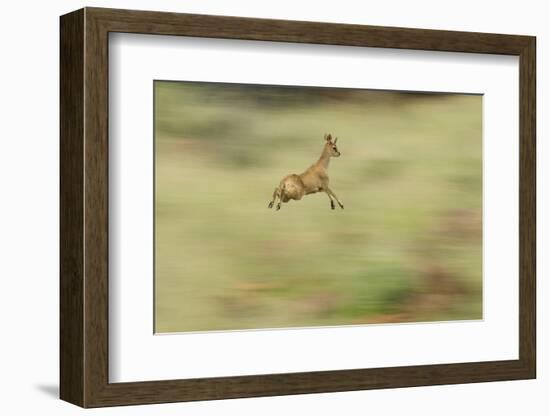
(407, 247)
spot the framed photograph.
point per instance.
(255, 207)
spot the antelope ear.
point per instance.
(335, 140)
(328, 137)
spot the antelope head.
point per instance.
(330, 146)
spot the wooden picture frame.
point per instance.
(84, 207)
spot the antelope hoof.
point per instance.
(341, 205)
(278, 206)
(332, 205)
(270, 205)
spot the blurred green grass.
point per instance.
(407, 247)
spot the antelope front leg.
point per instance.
(332, 206)
(333, 195)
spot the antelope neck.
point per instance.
(324, 159)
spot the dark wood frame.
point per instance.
(84, 207)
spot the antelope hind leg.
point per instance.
(274, 197)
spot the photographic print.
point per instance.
(294, 206)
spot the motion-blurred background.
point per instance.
(407, 247)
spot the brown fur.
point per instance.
(314, 179)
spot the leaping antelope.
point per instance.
(314, 179)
